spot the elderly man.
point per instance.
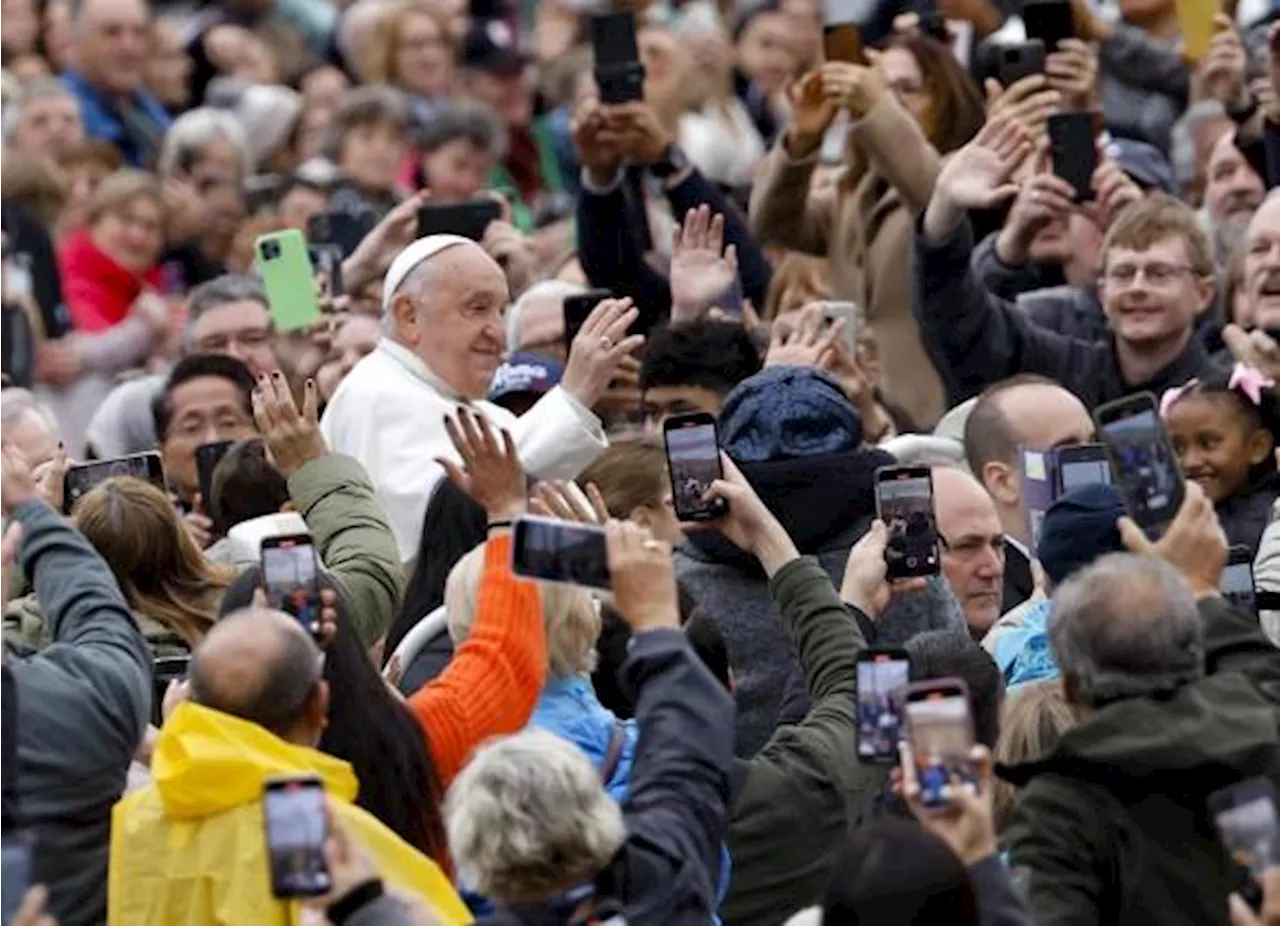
(181, 849)
(1233, 191)
(44, 122)
(443, 303)
(112, 40)
(1175, 700)
(973, 546)
(1023, 411)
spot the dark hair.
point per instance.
(987, 433)
(473, 122)
(246, 485)
(288, 680)
(953, 654)
(366, 105)
(715, 355)
(958, 107)
(745, 20)
(197, 366)
(894, 871)
(1264, 416)
(375, 732)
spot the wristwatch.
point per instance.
(672, 161)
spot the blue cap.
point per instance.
(1145, 164)
(1079, 528)
(523, 373)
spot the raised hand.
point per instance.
(1042, 199)
(1029, 102)
(490, 472)
(293, 440)
(599, 350)
(976, 177)
(378, 249)
(854, 87)
(812, 113)
(1194, 544)
(1114, 191)
(807, 343)
(1072, 70)
(1222, 69)
(565, 501)
(703, 270)
(599, 145)
(643, 578)
(865, 584)
(747, 521)
(967, 823)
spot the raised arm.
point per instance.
(493, 681)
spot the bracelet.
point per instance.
(496, 525)
(1242, 114)
(354, 900)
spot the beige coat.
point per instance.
(865, 226)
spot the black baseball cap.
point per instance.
(491, 46)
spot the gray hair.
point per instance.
(417, 281)
(473, 122)
(194, 131)
(543, 290)
(1126, 627)
(230, 287)
(16, 404)
(1182, 142)
(528, 817)
(46, 88)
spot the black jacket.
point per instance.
(1113, 823)
(977, 339)
(1019, 583)
(1245, 516)
(678, 808)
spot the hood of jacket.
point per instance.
(207, 762)
(1203, 737)
(823, 502)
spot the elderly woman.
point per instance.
(568, 706)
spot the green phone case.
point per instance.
(287, 276)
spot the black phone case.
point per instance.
(1073, 147)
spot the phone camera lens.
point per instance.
(270, 250)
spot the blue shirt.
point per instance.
(102, 118)
(569, 708)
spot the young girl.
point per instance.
(1223, 429)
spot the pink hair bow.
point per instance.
(1248, 380)
(1173, 395)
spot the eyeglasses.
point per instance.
(1155, 274)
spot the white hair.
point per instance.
(543, 291)
(528, 818)
(194, 131)
(417, 282)
(569, 616)
(46, 88)
(16, 404)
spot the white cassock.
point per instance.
(389, 414)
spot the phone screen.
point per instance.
(1146, 466)
(941, 739)
(880, 675)
(81, 479)
(291, 574)
(1073, 146)
(1077, 473)
(16, 863)
(904, 500)
(557, 551)
(208, 456)
(693, 457)
(577, 308)
(326, 263)
(297, 828)
(1247, 822)
(1237, 586)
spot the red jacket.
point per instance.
(97, 290)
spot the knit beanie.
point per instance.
(788, 412)
(1079, 528)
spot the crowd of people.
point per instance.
(848, 261)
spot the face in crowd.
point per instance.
(972, 546)
(204, 410)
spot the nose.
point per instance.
(991, 563)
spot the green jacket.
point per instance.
(353, 539)
(1113, 824)
(800, 793)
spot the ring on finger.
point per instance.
(606, 342)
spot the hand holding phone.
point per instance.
(904, 502)
(693, 460)
(618, 71)
(882, 674)
(941, 740)
(1073, 147)
(1143, 460)
(285, 267)
(82, 478)
(297, 827)
(556, 551)
(1248, 824)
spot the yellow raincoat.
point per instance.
(189, 849)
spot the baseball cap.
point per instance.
(1145, 164)
(490, 45)
(525, 373)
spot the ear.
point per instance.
(641, 515)
(1260, 446)
(288, 506)
(1001, 483)
(1205, 290)
(318, 710)
(403, 314)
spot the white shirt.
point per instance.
(389, 414)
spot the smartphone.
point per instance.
(882, 673)
(468, 219)
(1082, 465)
(931, 23)
(82, 477)
(1022, 59)
(207, 458)
(904, 502)
(17, 862)
(1195, 19)
(1237, 583)
(1143, 464)
(164, 670)
(693, 460)
(344, 230)
(1073, 147)
(1038, 471)
(576, 310)
(618, 71)
(1248, 825)
(558, 551)
(297, 827)
(291, 574)
(843, 42)
(285, 268)
(1049, 21)
(940, 728)
(326, 265)
(848, 312)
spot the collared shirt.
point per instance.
(102, 118)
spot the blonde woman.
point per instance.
(411, 50)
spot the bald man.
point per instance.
(972, 546)
(444, 301)
(1023, 411)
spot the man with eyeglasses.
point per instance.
(973, 545)
(228, 316)
(1157, 276)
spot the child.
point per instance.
(1223, 430)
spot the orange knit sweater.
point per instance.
(492, 682)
